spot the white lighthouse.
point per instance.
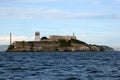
(10, 38)
(37, 36)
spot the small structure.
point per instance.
(37, 36)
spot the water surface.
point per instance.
(60, 66)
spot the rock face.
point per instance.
(106, 48)
(60, 45)
(94, 48)
(84, 48)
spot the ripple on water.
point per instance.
(60, 66)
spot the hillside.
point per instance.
(59, 45)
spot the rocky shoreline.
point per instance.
(72, 45)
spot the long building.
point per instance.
(57, 37)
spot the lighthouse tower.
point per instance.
(37, 36)
(10, 38)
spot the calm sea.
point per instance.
(60, 66)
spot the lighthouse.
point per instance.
(10, 38)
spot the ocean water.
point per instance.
(60, 66)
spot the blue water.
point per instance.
(60, 66)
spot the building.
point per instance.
(56, 37)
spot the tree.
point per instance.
(44, 38)
(64, 43)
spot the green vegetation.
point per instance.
(64, 43)
(44, 38)
(77, 41)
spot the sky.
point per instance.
(92, 21)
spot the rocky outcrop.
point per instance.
(94, 48)
(84, 48)
(106, 48)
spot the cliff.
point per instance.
(51, 46)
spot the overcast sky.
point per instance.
(92, 21)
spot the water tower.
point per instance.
(37, 36)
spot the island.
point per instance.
(55, 43)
